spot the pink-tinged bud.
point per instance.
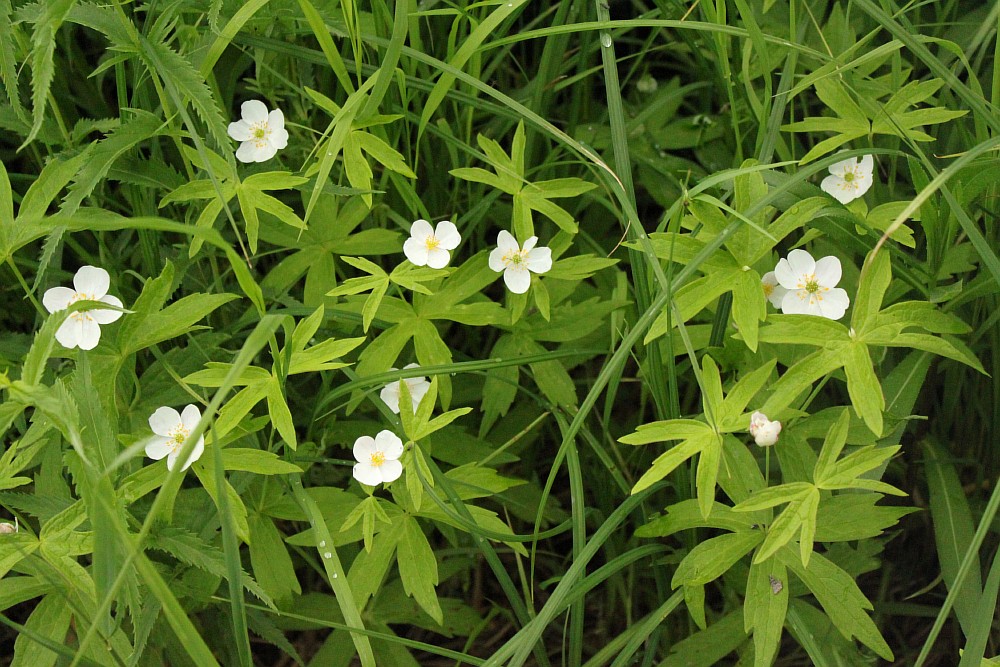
(764, 432)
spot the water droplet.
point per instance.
(334, 575)
(606, 40)
(322, 543)
(327, 555)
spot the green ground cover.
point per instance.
(649, 333)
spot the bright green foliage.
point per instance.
(515, 527)
(872, 115)
(509, 176)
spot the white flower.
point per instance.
(82, 329)
(812, 286)
(516, 263)
(171, 431)
(849, 179)
(262, 133)
(378, 458)
(772, 290)
(429, 247)
(418, 388)
(764, 432)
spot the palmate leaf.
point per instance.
(841, 347)
(854, 120)
(840, 598)
(509, 177)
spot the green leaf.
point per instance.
(764, 608)
(50, 619)
(281, 415)
(863, 386)
(953, 530)
(841, 599)
(418, 568)
(710, 559)
(272, 566)
(257, 461)
(875, 278)
(855, 516)
(664, 431)
(749, 306)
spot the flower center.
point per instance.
(515, 259)
(260, 133)
(177, 437)
(768, 289)
(849, 176)
(432, 242)
(812, 286)
(377, 459)
(81, 296)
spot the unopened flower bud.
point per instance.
(764, 432)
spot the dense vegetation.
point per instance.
(505, 333)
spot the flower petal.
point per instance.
(828, 271)
(447, 233)
(247, 152)
(90, 334)
(785, 276)
(57, 298)
(506, 243)
(279, 138)
(199, 449)
(867, 164)
(368, 474)
(92, 281)
(164, 420)
(266, 152)
(795, 302)
(844, 166)
(364, 447)
(389, 444)
(801, 263)
(390, 470)
(832, 185)
(254, 111)
(190, 417)
(539, 260)
(418, 389)
(390, 396)
(158, 447)
(438, 258)
(496, 260)
(416, 251)
(517, 279)
(530, 243)
(420, 230)
(276, 121)
(69, 332)
(240, 130)
(102, 316)
(834, 304)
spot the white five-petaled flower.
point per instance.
(811, 286)
(772, 290)
(428, 246)
(82, 329)
(262, 133)
(171, 430)
(849, 179)
(378, 458)
(519, 263)
(418, 387)
(764, 432)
